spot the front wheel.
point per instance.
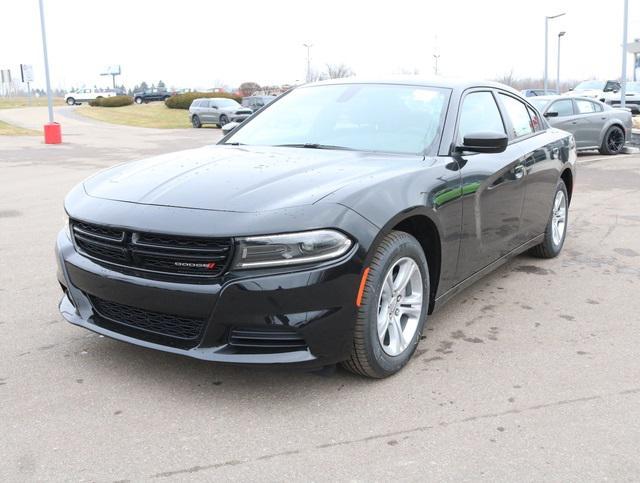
(393, 308)
(556, 230)
(138, 100)
(223, 120)
(71, 101)
(613, 142)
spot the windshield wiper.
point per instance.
(314, 146)
(233, 144)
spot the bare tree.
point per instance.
(338, 71)
(248, 88)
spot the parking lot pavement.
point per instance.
(531, 374)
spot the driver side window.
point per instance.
(479, 113)
(563, 107)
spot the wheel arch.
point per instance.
(567, 177)
(419, 223)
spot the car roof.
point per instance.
(459, 84)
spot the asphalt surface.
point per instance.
(531, 374)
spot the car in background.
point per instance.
(631, 97)
(85, 95)
(216, 110)
(595, 89)
(149, 95)
(256, 103)
(593, 124)
(538, 92)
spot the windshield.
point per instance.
(367, 117)
(539, 104)
(223, 102)
(593, 84)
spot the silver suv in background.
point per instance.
(216, 110)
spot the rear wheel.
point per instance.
(556, 230)
(195, 121)
(613, 142)
(393, 308)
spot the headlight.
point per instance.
(290, 249)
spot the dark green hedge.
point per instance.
(183, 101)
(116, 101)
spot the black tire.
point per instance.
(368, 358)
(223, 120)
(71, 101)
(548, 248)
(613, 141)
(195, 122)
(138, 100)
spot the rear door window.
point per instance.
(521, 122)
(585, 107)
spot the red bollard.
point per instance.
(52, 133)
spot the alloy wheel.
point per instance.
(615, 141)
(559, 218)
(399, 306)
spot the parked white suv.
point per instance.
(85, 95)
(595, 89)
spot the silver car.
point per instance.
(594, 125)
(216, 110)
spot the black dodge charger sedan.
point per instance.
(324, 229)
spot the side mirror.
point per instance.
(228, 127)
(484, 142)
(551, 114)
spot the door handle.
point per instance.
(574, 122)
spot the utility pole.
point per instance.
(623, 77)
(560, 35)
(546, 48)
(308, 46)
(46, 63)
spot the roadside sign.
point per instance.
(26, 71)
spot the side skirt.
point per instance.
(453, 291)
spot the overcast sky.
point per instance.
(204, 43)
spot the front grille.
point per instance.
(199, 257)
(167, 325)
(266, 338)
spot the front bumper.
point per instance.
(239, 117)
(317, 304)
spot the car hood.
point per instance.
(241, 179)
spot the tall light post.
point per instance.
(308, 46)
(52, 132)
(623, 77)
(560, 35)
(546, 48)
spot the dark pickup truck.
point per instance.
(149, 95)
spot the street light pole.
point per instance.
(546, 48)
(560, 35)
(308, 46)
(623, 77)
(46, 63)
